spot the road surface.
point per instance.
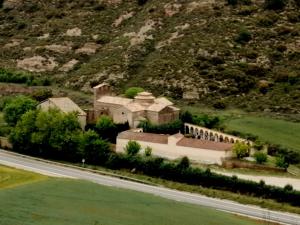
(271, 180)
(224, 205)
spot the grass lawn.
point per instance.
(274, 131)
(62, 202)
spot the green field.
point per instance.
(11, 177)
(63, 202)
(274, 131)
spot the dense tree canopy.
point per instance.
(95, 150)
(16, 107)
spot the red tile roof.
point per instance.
(204, 144)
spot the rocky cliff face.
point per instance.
(199, 50)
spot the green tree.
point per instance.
(133, 91)
(244, 36)
(260, 157)
(57, 135)
(20, 135)
(132, 148)
(106, 128)
(241, 150)
(16, 107)
(186, 117)
(94, 149)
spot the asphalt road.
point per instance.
(224, 205)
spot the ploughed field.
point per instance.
(31, 199)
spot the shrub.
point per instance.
(268, 19)
(260, 157)
(241, 150)
(184, 163)
(244, 36)
(274, 4)
(232, 2)
(280, 162)
(219, 104)
(133, 91)
(142, 2)
(42, 94)
(132, 148)
(168, 128)
(148, 151)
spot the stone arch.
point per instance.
(221, 138)
(201, 134)
(196, 132)
(187, 129)
(231, 140)
(217, 137)
(192, 130)
(211, 136)
(206, 137)
(226, 139)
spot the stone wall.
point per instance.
(4, 143)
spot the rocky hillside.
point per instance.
(208, 51)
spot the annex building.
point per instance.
(177, 146)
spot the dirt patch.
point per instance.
(122, 18)
(88, 48)
(74, 32)
(44, 36)
(13, 43)
(112, 2)
(59, 48)
(141, 35)
(172, 9)
(205, 4)
(37, 64)
(69, 65)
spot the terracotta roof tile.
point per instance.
(204, 144)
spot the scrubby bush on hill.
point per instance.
(275, 4)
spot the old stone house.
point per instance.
(143, 107)
(65, 105)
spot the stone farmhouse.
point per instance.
(143, 107)
(176, 146)
(65, 105)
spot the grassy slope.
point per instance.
(57, 201)
(10, 177)
(275, 131)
